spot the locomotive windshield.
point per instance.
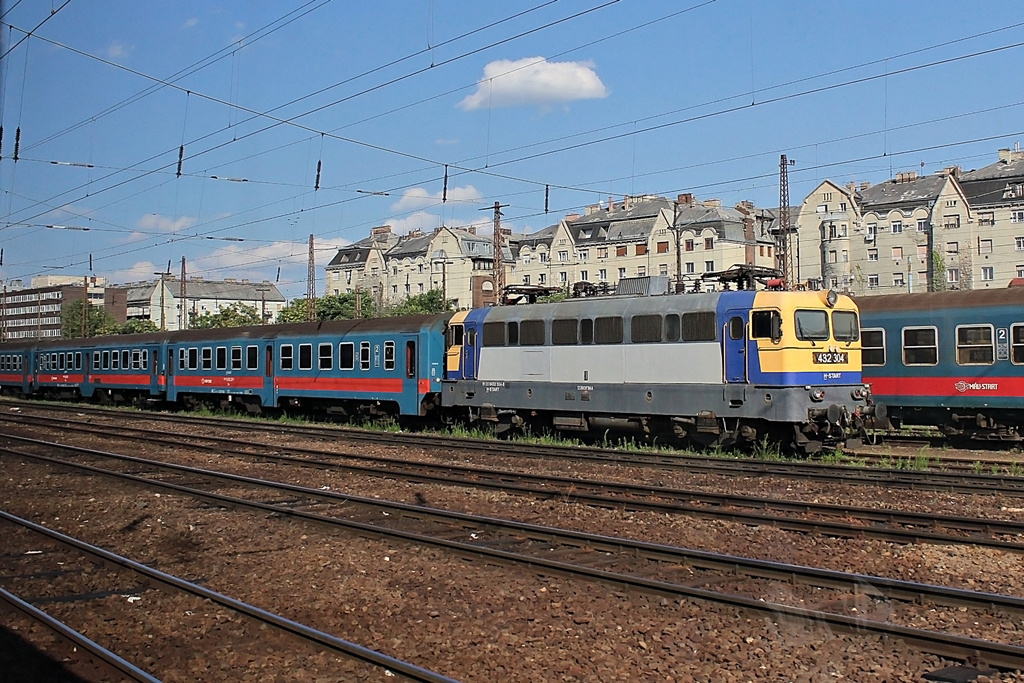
(812, 325)
(845, 326)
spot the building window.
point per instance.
(873, 281)
(602, 274)
(984, 246)
(620, 251)
(602, 252)
(872, 254)
(690, 267)
(688, 245)
(987, 219)
(563, 256)
(922, 252)
(897, 253)
(583, 275)
(897, 280)
(563, 277)
(1019, 241)
(641, 271)
(1017, 216)
(953, 275)
(526, 260)
(709, 266)
(922, 225)
(897, 227)
(872, 231)
(709, 242)
(988, 273)
(1020, 271)
(543, 257)
(641, 249)
(584, 254)
(662, 247)
(526, 279)
(846, 256)
(950, 222)
(663, 269)
(833, 256)
(950, 203)
(542, 279)
(952, 247)
(826, 196)
(622, 273)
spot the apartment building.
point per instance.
(34, 312)
(170, 306)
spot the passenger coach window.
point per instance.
(1017, 342)
(845, 326)
(346, 356)
(207, 356)
(182, 359)
(125, 359)
(531, 333)
(389, 355)
(236, 357)
(811, 325)
(106, 360)
(78, 360)
(305, 356)
(136, 359)
(920, 346)
(364, 355)
(974, 345)
(645, 329)
(252, 357)
(872, 346)
(325, 356)
(95, 360)
(608, 330)
(286, 356)
(193, 358)
(222, 358)
(563, 332)
(494, 334)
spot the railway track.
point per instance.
(913, 471)
(806, 517)
(48, 566)
(819, 597)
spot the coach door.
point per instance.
(734, 337)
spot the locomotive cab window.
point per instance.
(873, 347)
(768, 325)
(455, 335)
(1017, 344)
(811, 325)
(920, 346)
(845, 326)
(975, 345)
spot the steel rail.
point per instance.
(945, 644)
(921, 526)
(92, 647)
(304, 632)
(964, 479)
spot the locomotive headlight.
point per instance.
(817, 395)
(861, 392)
(831, 298)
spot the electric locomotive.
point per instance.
(952, 360)
(727, 368)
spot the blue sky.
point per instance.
(584, 99)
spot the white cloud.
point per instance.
(191, 22)
(116, 50)
(141, 271)
(418, 197)
(534, 80)
(154, 221)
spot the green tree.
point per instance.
(137, 326)
(98, 321)
(427, 302)
(235, 315)
(330, 307)
(938, 271)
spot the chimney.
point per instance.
(686, 199)
(1007, 155)
(953, 171)
(611, 204)
(416, 232)
(380, 230)
(471, 229)
(864, 185)
(712, 203)
(627, 201)
(571, 216)
(745, 207)
(851, 186)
